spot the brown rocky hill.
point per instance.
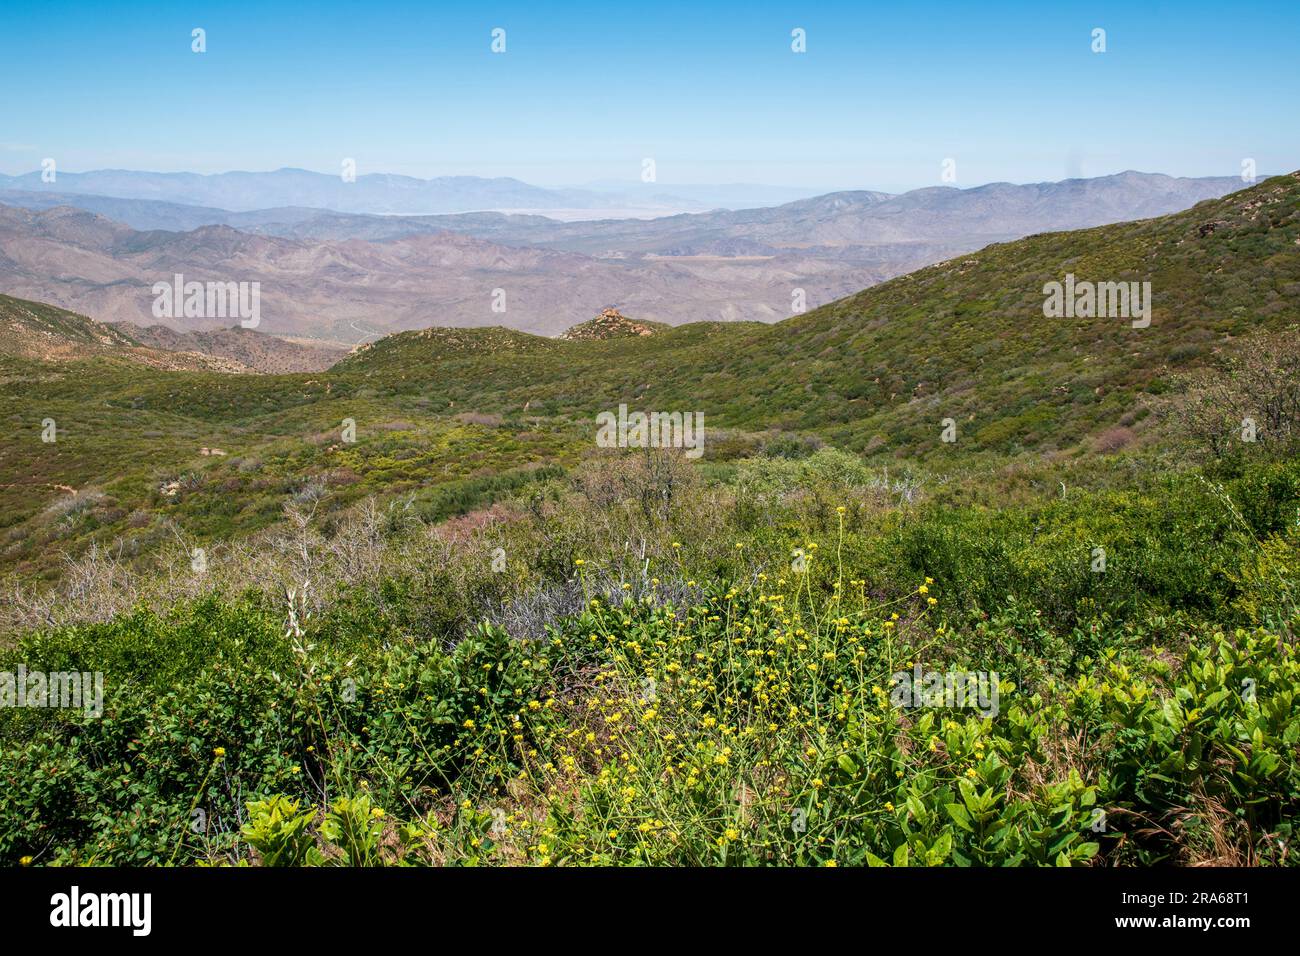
(612, 324)
(247, 347)
(33, 330)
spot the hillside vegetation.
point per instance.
(965, 339)
(878, 373)
(456, 632)
(723, 694)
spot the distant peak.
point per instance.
(612, 324)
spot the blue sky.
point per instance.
(711, 91)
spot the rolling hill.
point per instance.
(965, 339)
(44, 333)
(248, 348)
(454, 417)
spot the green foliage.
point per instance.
(280, 833)
(683, 666)
(752, 725)
(457, 417)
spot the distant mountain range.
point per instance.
(839, 219)
(347, 292)
(877, 372)
(346, 278)
(391, 194)
(855, 225)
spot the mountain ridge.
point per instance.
(347, 279)
(242, 191)
(879, 369)
(456, 415)
(41, 332)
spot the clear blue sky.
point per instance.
(711, 91)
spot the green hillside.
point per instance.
(415, 584)
(965, 339)
(875, 373)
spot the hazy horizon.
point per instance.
(613, 186)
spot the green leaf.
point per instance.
(960, 817)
